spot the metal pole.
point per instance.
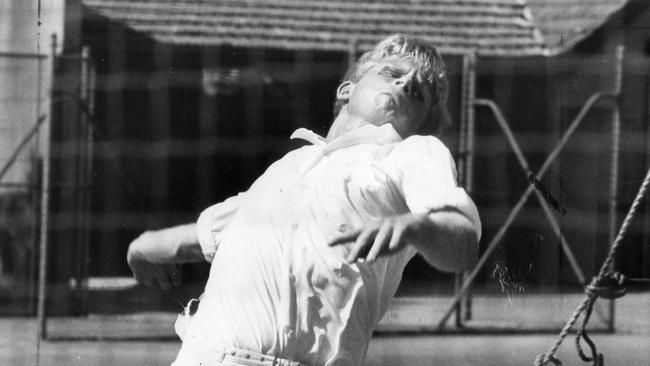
(469, 169)
(34, 185)
(81, 275)
(501, 120)
(471, 98)
(45, 198)
(90, 142)
(613, 182)
(518, 206)
(563, 242)
(462, 151)
(462, 133)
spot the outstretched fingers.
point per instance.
(344, 238)
(361, 244)
(376, 240)
(397, 239)
(380, 243)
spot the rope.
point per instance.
(591, 296)
(596, 358)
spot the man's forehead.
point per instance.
(402, 62)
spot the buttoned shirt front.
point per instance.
(275, 286)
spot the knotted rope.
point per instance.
(594, 290)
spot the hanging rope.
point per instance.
(605, 284)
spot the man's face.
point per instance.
(394, 92)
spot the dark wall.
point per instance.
(168, 141)
(532, 94)
(176, 129)
(541, 97)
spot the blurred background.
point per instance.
(120, 116)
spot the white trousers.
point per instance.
(192, 355)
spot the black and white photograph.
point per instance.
(324, 182)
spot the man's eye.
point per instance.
(389, 72)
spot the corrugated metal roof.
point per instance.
(488, 27)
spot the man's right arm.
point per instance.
(177, 244)
(154, 255)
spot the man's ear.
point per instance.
(344, 90)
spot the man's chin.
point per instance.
(385, 102)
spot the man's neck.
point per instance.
(344, 123)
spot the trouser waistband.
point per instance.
(191, 355)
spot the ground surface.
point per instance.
(629, 346)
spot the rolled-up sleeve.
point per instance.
(211, 223)
(428, 179)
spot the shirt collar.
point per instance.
(384, 134)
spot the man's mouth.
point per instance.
(385, 102)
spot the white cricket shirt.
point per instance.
(275, 286)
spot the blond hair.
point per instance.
(428, 62)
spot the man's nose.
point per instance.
(406, 81)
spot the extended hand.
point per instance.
(384, 237)
(149, 262)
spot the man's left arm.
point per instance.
(443, 223)
(446, 238)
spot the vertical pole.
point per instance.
(462, 150)
(112, 131)
(471, 93)
(78, 183)
(81, 182)
(613, 182)
(41, 310)
(462, 134)
(64, 170)
(469, 163)
(31, 280)
(90, 109)
(34, 196)
(462, 159)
